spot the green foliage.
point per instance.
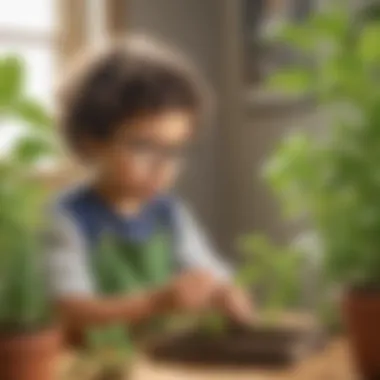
(344, 52)
(35, 113)
(22, 293)
(111, 270)
(273, 271)
(113, 276)
(123, 268)
(334, 181)
(11, 81)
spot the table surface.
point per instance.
(333, 363)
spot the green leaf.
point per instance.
(11, 80)
(23, 301)
(112, 272)
(273, 270)
(33, 113)
(333, 24)
(114, 336)
(297, 36)
(369, 47)
(156, 260)
(250, 275)
(213, 323)
(256, 244)
(293, 81)
(30, 149)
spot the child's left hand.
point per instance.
(235, 303)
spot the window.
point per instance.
(27, 28)
(46, 34)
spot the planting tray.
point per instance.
(265, 347)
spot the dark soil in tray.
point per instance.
(112, 374)
(265, 347)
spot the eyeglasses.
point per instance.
(150, 152)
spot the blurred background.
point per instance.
(226, 39)
(230, 42)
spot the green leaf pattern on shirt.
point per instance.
(121, 267)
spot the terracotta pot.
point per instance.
(361, 312)
(29, 356)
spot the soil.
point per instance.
(266, 347)
(112, 374)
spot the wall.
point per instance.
(196, 27)
(267, 122)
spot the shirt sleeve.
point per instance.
(66, 266)
(192, 246)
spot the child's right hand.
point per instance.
(190, 292)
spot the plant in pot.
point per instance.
(332, 179)
(28, 340)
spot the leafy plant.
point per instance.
(23, 304)
(273, 272)
(334, 181)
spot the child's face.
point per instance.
(144, 157)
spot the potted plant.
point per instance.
(28, 339)
(332, 179)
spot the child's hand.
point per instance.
(192, 291)
(235, 303)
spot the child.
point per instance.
(129, 115)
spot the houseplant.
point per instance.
(331, 180)
(28, 341)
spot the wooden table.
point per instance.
(332, 364)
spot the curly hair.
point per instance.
(127, 80)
